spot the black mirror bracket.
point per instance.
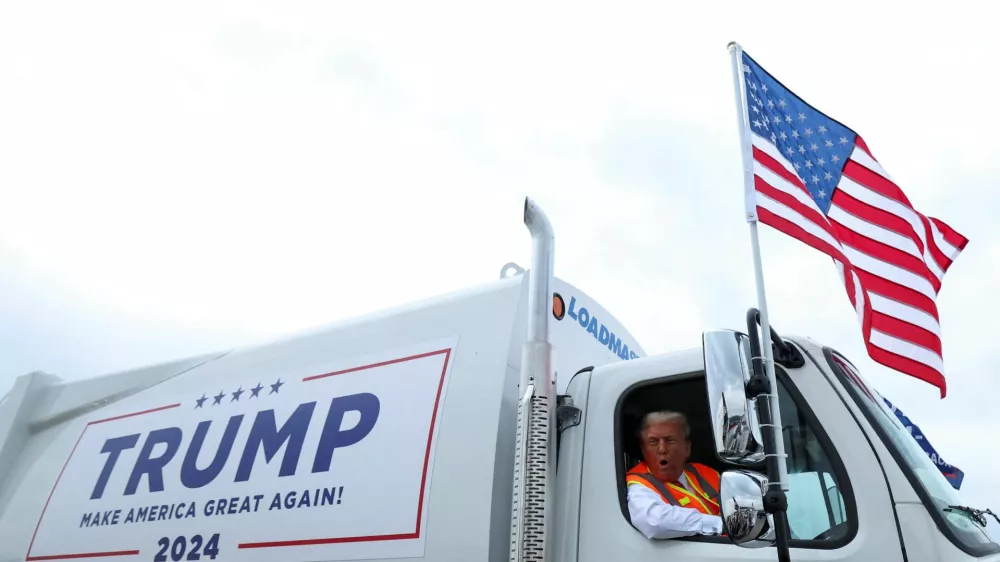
(785, 354)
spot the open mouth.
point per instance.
(663, 462)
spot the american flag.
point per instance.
(817, 181)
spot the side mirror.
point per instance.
(743, 516)
(734, 417)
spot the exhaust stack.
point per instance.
(534, 459)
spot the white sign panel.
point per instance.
(328, 464)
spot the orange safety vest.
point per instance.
(703, 479)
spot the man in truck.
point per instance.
(669, 497)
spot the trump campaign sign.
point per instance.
(328, 463)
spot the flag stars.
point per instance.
(815, 146)
(236, 395)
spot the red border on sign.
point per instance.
(423, 477)
(303, 542)
(28, 557)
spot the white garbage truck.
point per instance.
(496, 423)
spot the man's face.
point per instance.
(665, 450)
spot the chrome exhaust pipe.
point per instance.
(534, 457)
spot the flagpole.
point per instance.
(750, 201)
(775, 502)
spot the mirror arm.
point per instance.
(785, 354)
(759, 388)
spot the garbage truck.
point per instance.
(493, 423)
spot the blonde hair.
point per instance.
(665, 416)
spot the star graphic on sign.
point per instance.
(236, 395)
(218, 398)
(201, 401)
(275, 387)
(255, 390)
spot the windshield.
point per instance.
(965, 532)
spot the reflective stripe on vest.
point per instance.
(659, 488)
(712, 493)
(703, 491)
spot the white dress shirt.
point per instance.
(659, 520)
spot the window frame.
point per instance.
(974, 550)
(845, 487)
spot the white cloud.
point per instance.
(238, 171)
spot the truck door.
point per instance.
(839, 506)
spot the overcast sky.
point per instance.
(188, 177)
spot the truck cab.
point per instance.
(859, 486)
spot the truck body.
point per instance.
(404, 435)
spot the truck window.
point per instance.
(817, 510)
(821, 510)
(925, 477)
